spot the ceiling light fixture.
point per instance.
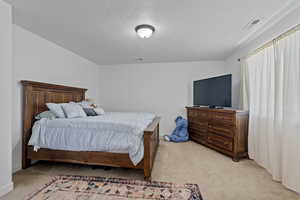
(144, 30)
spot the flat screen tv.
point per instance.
(213, 91)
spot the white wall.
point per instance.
(163, 88)
(233, 65)
(40, 60)
(6, 98)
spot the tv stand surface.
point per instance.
(215, 107)
(219, 107)
(224, 130)
(210, 107)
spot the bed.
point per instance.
(141, 155)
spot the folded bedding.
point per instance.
(117, 132)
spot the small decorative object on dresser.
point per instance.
(224, 130)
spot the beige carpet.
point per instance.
(217, 176)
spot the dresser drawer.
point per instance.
(193, 131)
(223, 118)
(199, 138)
(200, 126)
(196, 132)
(220, 141)
(223, 130)
(199, 123)
(196, 115)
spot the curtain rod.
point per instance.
(268, 44)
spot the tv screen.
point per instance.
(213, 91)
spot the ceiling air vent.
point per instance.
(251, 23)
(139, 59)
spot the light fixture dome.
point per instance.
(144, 30)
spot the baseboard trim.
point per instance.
(161, 135)
(6, 189)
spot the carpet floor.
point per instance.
(218, 177)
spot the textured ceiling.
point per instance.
(103, 30)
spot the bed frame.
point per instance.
(35, 97)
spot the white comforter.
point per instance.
(112, 132)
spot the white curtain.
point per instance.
(271, 92)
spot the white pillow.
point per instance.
(85, 104)
(56, 109)
(99, 111)
(46, 114)
(73, 110)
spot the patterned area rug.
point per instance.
(92, 188)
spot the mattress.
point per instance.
(117, 132)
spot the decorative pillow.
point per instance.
(73, 110)
(90, 112)
(46, 114)
(85, 104)
(99, 111)
(56, 109)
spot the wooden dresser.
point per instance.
(224, 130)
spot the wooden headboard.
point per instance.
(35, 97)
